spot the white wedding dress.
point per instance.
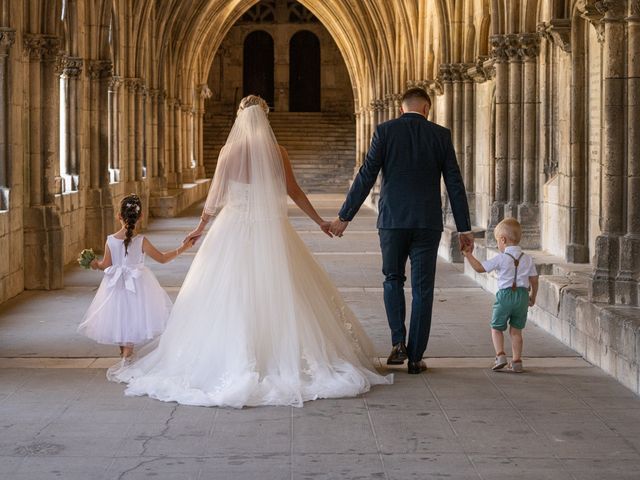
(257, 320)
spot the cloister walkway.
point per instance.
(563, 419)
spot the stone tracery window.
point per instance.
(298, 13)
(262, 12)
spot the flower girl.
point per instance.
(130, 306)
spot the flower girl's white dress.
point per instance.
(257, 320)
(130, 305)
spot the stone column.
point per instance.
(43, 240)
(7, 39)
(169, 140)
(468, 143)
(204, 92)
(70, 69)
(607, 255)
(114, 132)
(99, 213)
(446, 77)
(502, 127)
(528, 210)
(177, 145)
(140, 157)
(628, 287)
(514, 53)
(457, 127)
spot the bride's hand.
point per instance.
(193, 237)
(325, 226)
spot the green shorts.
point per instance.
(511, 306)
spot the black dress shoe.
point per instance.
(398, 354)
(416, 367)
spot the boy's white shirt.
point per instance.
(504, 266)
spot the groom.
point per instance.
(413, 154)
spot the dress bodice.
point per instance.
(135, 255)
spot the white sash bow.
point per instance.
(127, 272)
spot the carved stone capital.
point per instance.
(204, 91)
(99, 69)
(7, 38)
(69, 67)
(529, 45)
(513, 47)
(134, 85)
(634, 11)
(498, 48)
(482, 70)
(446, 73)
(590, 12)
(558, 32)
(114, 83)
(39, 47)
(613, 10)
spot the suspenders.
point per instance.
(516, 262)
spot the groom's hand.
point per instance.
(338, 227)
(467, 241)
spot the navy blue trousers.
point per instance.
(420, 245)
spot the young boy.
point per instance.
(516, 276)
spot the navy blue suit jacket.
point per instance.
(413, 154)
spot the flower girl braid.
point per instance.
(130, 209)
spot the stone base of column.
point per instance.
(189, 175)
(495, 217)
(158, 186)
(575, 253)
(174, 180)
(471, 200)
(627, 288)
(606, 265)
(100, 217)
(529, 217)
(43, 248)
(201, 172)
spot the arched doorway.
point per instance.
(304, 72)
(257, 76)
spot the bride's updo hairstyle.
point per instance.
(130, 210)
(252, 100)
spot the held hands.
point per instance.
(466, 243)
(338, 227)
(326, 228)
(192, 237)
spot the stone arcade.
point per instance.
(100, 98)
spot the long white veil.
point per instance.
(251, 157)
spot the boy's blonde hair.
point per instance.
(509, 228)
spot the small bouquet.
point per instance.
(86, 257)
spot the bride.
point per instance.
(257, 320)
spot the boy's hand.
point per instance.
(532, 301)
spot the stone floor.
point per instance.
(563, 419)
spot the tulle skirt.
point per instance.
(257, 322)
(119, 315)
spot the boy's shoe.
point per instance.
(500, 362)
(516, 367)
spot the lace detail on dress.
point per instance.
(341, 311)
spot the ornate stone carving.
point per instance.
(513, 47)
(558, 32)
(590, 12)
(498, 48)
(40, 46)
(611, 9)
(482, 70)
(134, 85)
(114, 83)
(69, 67)
(98, 69)
(529, 45)
(204, 91)
(446, 73)
(7, 38)
(635, 9)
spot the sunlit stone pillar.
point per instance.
(501, 166)
(43, 242)
(514, 53)
(169, 141)
(446, 77)
(612, 205)
(528, 210)
(628, 288)
(177, 141)
(7, 39)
